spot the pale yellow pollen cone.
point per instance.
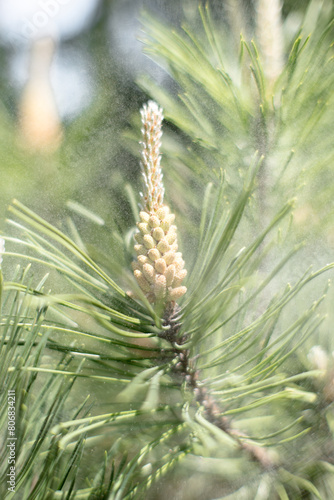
(159, 268)
(39, 123)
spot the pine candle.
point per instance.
(159, 268)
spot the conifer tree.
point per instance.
(135, 379)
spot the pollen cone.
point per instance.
(159, 268)
(40, 127)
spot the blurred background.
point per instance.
(68, 92)
(68, 95)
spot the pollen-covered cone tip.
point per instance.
(159, 268)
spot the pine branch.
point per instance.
(217, 372)
(191, 378)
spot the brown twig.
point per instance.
(185, 368)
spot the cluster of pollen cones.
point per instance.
(159, 266)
